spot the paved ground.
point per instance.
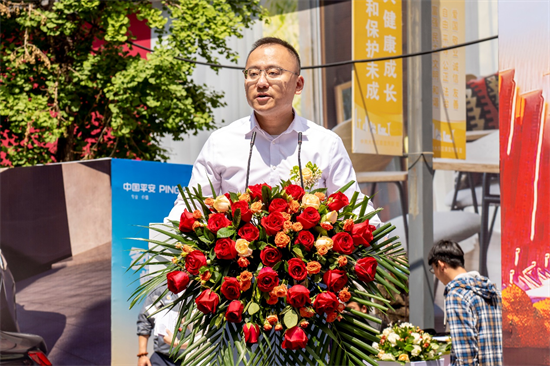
(70, 307)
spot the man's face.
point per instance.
(270, 97)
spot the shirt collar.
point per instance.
(298, 124)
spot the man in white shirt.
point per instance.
(272, 79)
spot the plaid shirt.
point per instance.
(473, 308)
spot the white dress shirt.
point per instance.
(224, 159)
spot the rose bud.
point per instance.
(177, 281)
(206, 276)
(194, 261)
(231, 288)
(365, 268)
(307, 174)
(222, 204)
(297, 269)
(207, 301)
(278, 327)
(298, 296)
(197, 214)
(309, 217)
(335, 279)
(295, 338)
(186, 222)
(234, 312)
(243, 262)
(342, 261)
(174, 260)
(307, 312)
(348, 225)
(320, 195)
(344, 295)
(326, 225)
(304, 324)
(209, 201)
(272, 319)
(251, 333)
(336, 201)
(267, 327)
(341, 307)
(295, 191)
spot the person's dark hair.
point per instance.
(448, 252)
(273, 40)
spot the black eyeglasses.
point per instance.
(432, 270)
(271, 73)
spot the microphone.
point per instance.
(250, 158)
(299, 161)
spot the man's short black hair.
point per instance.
(448, 252)
(274, 40)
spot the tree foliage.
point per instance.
(71, 89)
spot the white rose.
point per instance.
(426, 337)
(393, 338)
(417, 339)
(406, 325)
(222, 204)
(387, 357)
(416, 350)
(332, 216)
(386, 332)
(375, 346)
(242, 248)
(311, 200)
(430, 354)
(324, 240)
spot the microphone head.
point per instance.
(253, 138)
(300, 137)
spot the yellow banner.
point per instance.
(377, 89)
(448, 80)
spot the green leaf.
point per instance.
(291, 319)
(225, 232)
(298, 252)
(254, 308)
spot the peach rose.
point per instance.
(304, 324)
(322, 249)
(244, 197)
(282, 240)
(307, 173)
(256, 207)
(297, 226)
(196, 225)
(287, 225)
(307, 312)
(197, 214)
(267, 327)
(348, 225)
(326, 225)
(245, 276)
(320, 195)
(209, 201)
(331, 317)
(344, 295)
(272, 319)
(243, 262)
(341, 307)
(187, 249)
(174, 260)
(325, 241)
(179, 245)
(278, 327)
(279, 291)
(272, 300)
(205, 276)
(310, 200)
(313, 267)
(222, 204)
(285, 215)
(241, 245)
(342, 261)
(294, 206)
(245, 285)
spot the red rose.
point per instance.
(295, 191)
(343, 243)
(270, 256)
(186, 221)
(297, 269)
(234, 313)
(246, 214)
(298, 296)
(249, 232)
(225, 249)
(362, 233)
(267, 279)
(231, 288)
(207, 301)
(256, 190)
(251, 332)
(305, 238)
(228, 196)
(325, 302)
(194, 261)
(217, 221)
(295, 338)
(309, 218)
(273, 223)
(336, 201)
(335, 279)
(177, 281)
(365, 268)
(278, 205)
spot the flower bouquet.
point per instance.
(268, 275)
(405, 343)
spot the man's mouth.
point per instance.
(263, 96)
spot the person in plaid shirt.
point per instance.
(473, 308)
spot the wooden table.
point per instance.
(482, 156)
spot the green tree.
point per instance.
(63, 98)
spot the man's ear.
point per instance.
(441, 265)
(299, 85)
(364, 309)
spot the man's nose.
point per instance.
(262, 80)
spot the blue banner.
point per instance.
(143, 192)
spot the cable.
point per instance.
(334, 64)
(249, 158)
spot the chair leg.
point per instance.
(492, 224)
(457, 185)
(473, 189)
(483, 242)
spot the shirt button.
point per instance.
(273, 167)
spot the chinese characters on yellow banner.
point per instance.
(448, 80)
(377, 86)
